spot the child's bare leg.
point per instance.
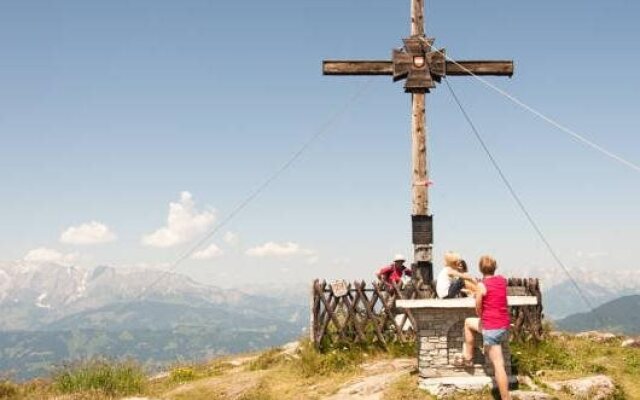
(495, 355)
(471, 326)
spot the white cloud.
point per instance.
(43, 255)
(313, 260)
(208, 253)
(231, 238)
(90, 233)
(592, 255)
(272, 249)
(597, 254)
(184, 223)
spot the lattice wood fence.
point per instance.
(526, 321)
(367, 313)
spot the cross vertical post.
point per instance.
(422, 252)
(421, 65)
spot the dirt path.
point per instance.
(375, 379)
(370, 384)
(230, 386)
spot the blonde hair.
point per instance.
(451, 259)
(487, 265)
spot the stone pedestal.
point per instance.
(440, 338)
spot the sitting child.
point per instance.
(451, 280)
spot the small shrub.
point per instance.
(266, 360)
(632, 363)
(340, 359)
(8, 390)
(217, 368)
(182, 374)
(258, 392)
(406, 349)
(597, 369)
(309, 361)
(112, 378)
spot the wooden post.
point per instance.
(422, 254)
(417, 17)
(419, 155)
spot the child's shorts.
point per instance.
(494, 337)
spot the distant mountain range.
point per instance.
(620, 316)
(599, 285)
(563, 300)
(52, 313)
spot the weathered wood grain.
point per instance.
(357, 67)
(417, 17)
(480, 68)
(453, 68)
(419, 155)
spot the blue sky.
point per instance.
(110, 110)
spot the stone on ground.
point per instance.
(631, 342)
(599, 387)
(597, 336)
(527, 395)
(448, 387)
(291, 349)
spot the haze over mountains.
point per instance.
(599, 283)
(619, 316)
(53, 313)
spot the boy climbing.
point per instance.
(493, 322)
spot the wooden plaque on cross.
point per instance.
(421, 66)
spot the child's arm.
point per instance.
(482, 290)
(455, 274)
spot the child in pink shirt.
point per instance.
(493, 322)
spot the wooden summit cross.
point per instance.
(422, 66)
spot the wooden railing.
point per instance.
(360, 313)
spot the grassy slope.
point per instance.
(315, 376)
(310, 375)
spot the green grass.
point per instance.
(569, 357)
(8, 390)
(259, 392)
(314, 374)
(111, 378)
(406, 388)
(530, 357)
(266, 360)
(312, 362)
(183, 374)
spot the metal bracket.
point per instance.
(422, 229)
(419, 64)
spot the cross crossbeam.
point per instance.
(453, 68)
